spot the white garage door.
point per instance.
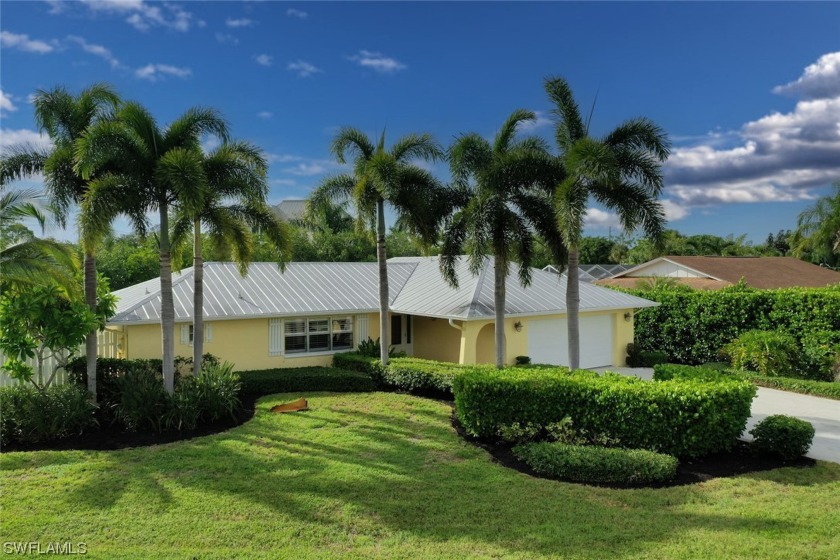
(548, 341)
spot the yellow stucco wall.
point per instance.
(245, 342)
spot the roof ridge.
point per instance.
(414, 267)
(478, 283)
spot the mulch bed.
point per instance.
(109, 438)
(740, 460)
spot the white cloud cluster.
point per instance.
(236, 23)
(377, 61)
(143, 15)
(542, 121)
(155, 72)
(303, 69)
(22, 42)
(778, 157)
(23, 136)
(6, 104)
(295, 13)
(95, 50)
(264, 59)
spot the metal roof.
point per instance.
(291, 210)
(591, 272)
(415, 284)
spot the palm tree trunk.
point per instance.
(573, 307)
(198, 299)
(499, 307)
(382, 260)
(167, 307)
(90, 340)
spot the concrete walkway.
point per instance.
(824, 414)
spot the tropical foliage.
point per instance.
(818, 233)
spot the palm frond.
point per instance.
(417, 146)
(568, 125)
(641, 134)
(506, 134)
(351, 142)
(21, 162)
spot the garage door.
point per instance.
(548, 341)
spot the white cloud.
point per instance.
(265, 114)
(303, 166)
(673, 210)
(300, 14)
(303, 69)
(239, 22)
(264, 59)
(144, 15)
(6, 103)
(21, 41)
(597, 218)
(155, 72)
(226, 39)
(530, 126)
(284, 182)
(95, 50)
(23, 136)
(778, 157)
(377, 61)
(820, 80)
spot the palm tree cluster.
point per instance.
(504, 195)
(111, 158)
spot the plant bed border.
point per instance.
(740, 460)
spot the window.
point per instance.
(408, 329)
(309, 335)
(396, 329)
(187, 334)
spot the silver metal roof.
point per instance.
(415, 284)
(590, 272)
(291, 210)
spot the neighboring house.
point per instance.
(712, 273)
(591, 272)
(291, 211)
(300, 317)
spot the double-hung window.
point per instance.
(305, 335)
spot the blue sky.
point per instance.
(749, 93)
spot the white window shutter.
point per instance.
(275, 337)
(361, 329)
(208, 332)
(185, 334)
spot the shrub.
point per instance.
(143, 402)
(108, 372)
(680, 417)
(781, 435)
(600, 465)
(426, 377)
(354, 361)
(821, 355)
(666, 372)
(217, 390)
(291, 380)
(372, 349)
(30, 416)
(522, 360)
(691, 326)
(766, 352)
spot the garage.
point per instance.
(548, 341)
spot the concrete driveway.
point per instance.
(824, 414)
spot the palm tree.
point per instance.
(501, 200)
(230, 201)
(383, 176)
(27, 260)
(65, 118)
(146, 168)
(622, 171)
(818, 230)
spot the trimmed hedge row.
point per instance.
(289, 380)
(692, 325)
(686, 418)
(599, 465)
(416, 375)
(354, 361)
(667, 372)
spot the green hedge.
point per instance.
(288, 380)
(667, 372)
(354, 361)
(827, 389)
(680, 417)
(692, 325)
(422, 376)
(600, 465)
(29, 416)
(785, 436)
(108, 373)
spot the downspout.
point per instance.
(454, 326)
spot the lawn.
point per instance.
(382, 475)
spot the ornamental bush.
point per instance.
(426, 377)
(692, 325)
(785, 436)
(686, 418)
(769, 353)
(28, 415)
(666, 372)
(290, 380)
(355, 361)
(821, 355)
(599, 465)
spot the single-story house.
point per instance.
(303, 315)
(714, 273)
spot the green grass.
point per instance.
(381, 475)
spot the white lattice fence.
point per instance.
(107, 347)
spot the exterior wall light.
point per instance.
(628, 316)
(518, 326)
